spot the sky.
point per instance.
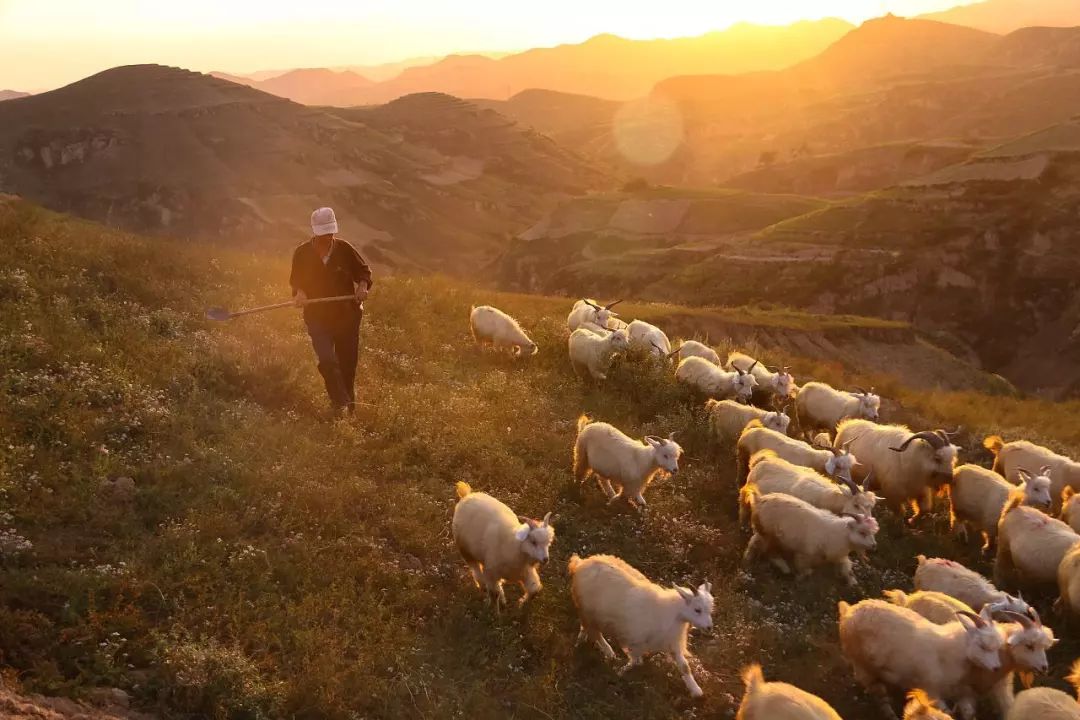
(48, 43)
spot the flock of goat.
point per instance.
(810, 503)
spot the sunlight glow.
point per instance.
(243, 35)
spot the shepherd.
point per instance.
(327, 266)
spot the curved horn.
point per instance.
(830, 448)
(1025, 472)
(866, 480)
(674, 352)
(1033, 614)
(591, 304)
(751, 368)
(671, 435)
(611, 305)
(1024, 620)
(850, 485)
(528, 521)
(931, 437)
(738, 369)
(653, 343)
(654, 437)
(860, 390)
(1045, 470)
(979, 622)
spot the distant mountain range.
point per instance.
(605, 66)
(429, 181)
(1005, 16)
(12, 95)
(892, 80)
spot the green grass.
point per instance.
(275, 565)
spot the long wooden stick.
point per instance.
(223, 314)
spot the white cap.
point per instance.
(324, 222)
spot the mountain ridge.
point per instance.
(160, 149)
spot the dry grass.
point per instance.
(273, 565)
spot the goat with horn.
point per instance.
(591, 315)
(821, 407)
(909, 468)
(770, 473)
(715, 382)
(774, 386)
(649, 338)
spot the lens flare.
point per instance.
(648, 131)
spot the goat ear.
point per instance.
(522, 532)
(705, 588)
(650, 440)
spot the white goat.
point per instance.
(977, 497)
(614, 457)
(1010, 457)
(727, 418)
(969, 587)
(1030, 543)
(592, 354)
(785, 526)
(770, 473)
(908, 467)
(711, 380)
(775, 386)
(498, 545)
(921, 707)
(890, 645)
(615, 599)
(1045, 703)
(937, 607)
(821, 407)
(588, 311)
(779, 701)
(492, 326)
(829, 461)
(649, 338)
(693, 348)
(1068, 577)
(1070, 508)
(1024, 649)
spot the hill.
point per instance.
(164, 150)
(269, 565)
(991, 233)
(12, 95)
(885, 47)
(1003, 16)
(855, 171)
(890, 82)
(314, 86)
(604, 66)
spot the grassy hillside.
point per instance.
(272, 565)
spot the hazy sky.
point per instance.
(46, 43)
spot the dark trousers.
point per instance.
(337, 349)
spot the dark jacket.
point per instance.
(336, 277)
